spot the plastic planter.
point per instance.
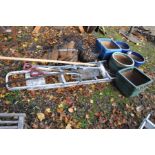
(119, 61)
(105, 47)
(132, 81)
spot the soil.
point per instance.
(110, 45)
(136, 77)
(135, 57)
(123, 59)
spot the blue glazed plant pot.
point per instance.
(106, 47)
(138, 58)
(124, 46)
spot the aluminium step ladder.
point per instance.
(147, 123)
(80, 75)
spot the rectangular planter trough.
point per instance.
(132, 81)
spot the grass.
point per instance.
(102, 98)
(12, 96)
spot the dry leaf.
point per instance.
(24, 45)
(142, 69)
(51, 97)
(35, 39)
(68, 126)
(74, 108)
(34, 126)
(139, 108)
(7, 102)
(2, 95)
(91, 101)
(71, 110)
(59, 110)
(69, 101)
(61, 105)
(112, 100)
(90, 91)
(101, 93)
(80, 89)
(40, 116)
(93, 86)
(48, 110)
(87, 116)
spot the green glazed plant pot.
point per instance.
(119, 61)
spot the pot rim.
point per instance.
(139, 56)
(122, 54)
(121, 42)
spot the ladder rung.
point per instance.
(8, 122)
(8, 127)
(11, 115)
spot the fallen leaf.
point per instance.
(80, 89)
(51, 97)
(139, 108)
(98, 114)
(68, 126)
(124, 121)
(142, 69)
(66, 119)
(127, 106)
(61, 105)
(132, 114)
(59, 90)
(39, 47)
(60, 110)
(71, 110)
(34, 126)
(40, 116)
(24, 45)
(35, 39)
(93, 86)
(48, 110)
(7, 102)
(114, 104)
(112, 100)
(119, 95)
(114, 110)
(91, 101)
(69, 101)
(74, 108)
(101, 93)
(90, 91)
(87, 116)
(119, 123)
(78, 125)
(2, 95)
